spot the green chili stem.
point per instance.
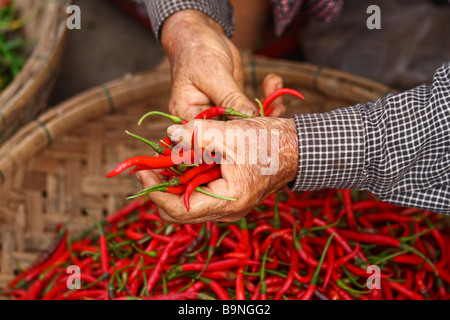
(396, 280)
(414, 236)
(262, 272)
(261, 108)
(211, 251)
(325, 227)
(353, 279)
(144, 290)
(152, 254)
(276, 215)
(183, 166)
(174, 119)
(167, 145)
(214, 195)
(104, 276)
(315, 276)
(187, 286)
(157, 147)
(343, 286)
(420, 254)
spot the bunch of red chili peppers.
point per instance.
(313, 245)
(186, 171)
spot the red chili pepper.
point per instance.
(278, 93)
(133, 235)
(402, 289)
(330, 261)
(221, 293)
(378, 239)
(271, 203)
(376, 294)
(346, 194)
(442, 246)
(408, 259)
(152, 162)
(290, 277)
(342, 293)
(273, 236)
(264, 227)
(219, 111)
(363, 273)
(156, 272)
(203, 178)
(256, 293)
(328, 206)
(191, 174)
(243, 249)
(343, 260)
(240, 288)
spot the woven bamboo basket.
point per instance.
(26, 96)
(53, 169)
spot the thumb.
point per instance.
(271, 83)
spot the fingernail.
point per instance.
(171, 131)
(279, 85)
(250, 112)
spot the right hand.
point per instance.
(206, 67)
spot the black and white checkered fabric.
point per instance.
(397, 147)
(219, 10)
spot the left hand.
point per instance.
(244, 179)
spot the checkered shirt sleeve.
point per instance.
(397, 147)
(219, 10)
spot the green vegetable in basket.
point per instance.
(12, 45)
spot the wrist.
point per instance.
(184, 26)
(289, 150)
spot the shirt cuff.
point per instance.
(331, 150)
(219, 10)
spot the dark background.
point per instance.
(413, 41)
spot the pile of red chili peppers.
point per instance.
(320, 245)
(313, 245)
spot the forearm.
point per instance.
(220, 11)
(398, 147)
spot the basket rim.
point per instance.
(10, 97)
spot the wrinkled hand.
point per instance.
(243, 176)
(206, 67)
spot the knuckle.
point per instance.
(231, 100)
